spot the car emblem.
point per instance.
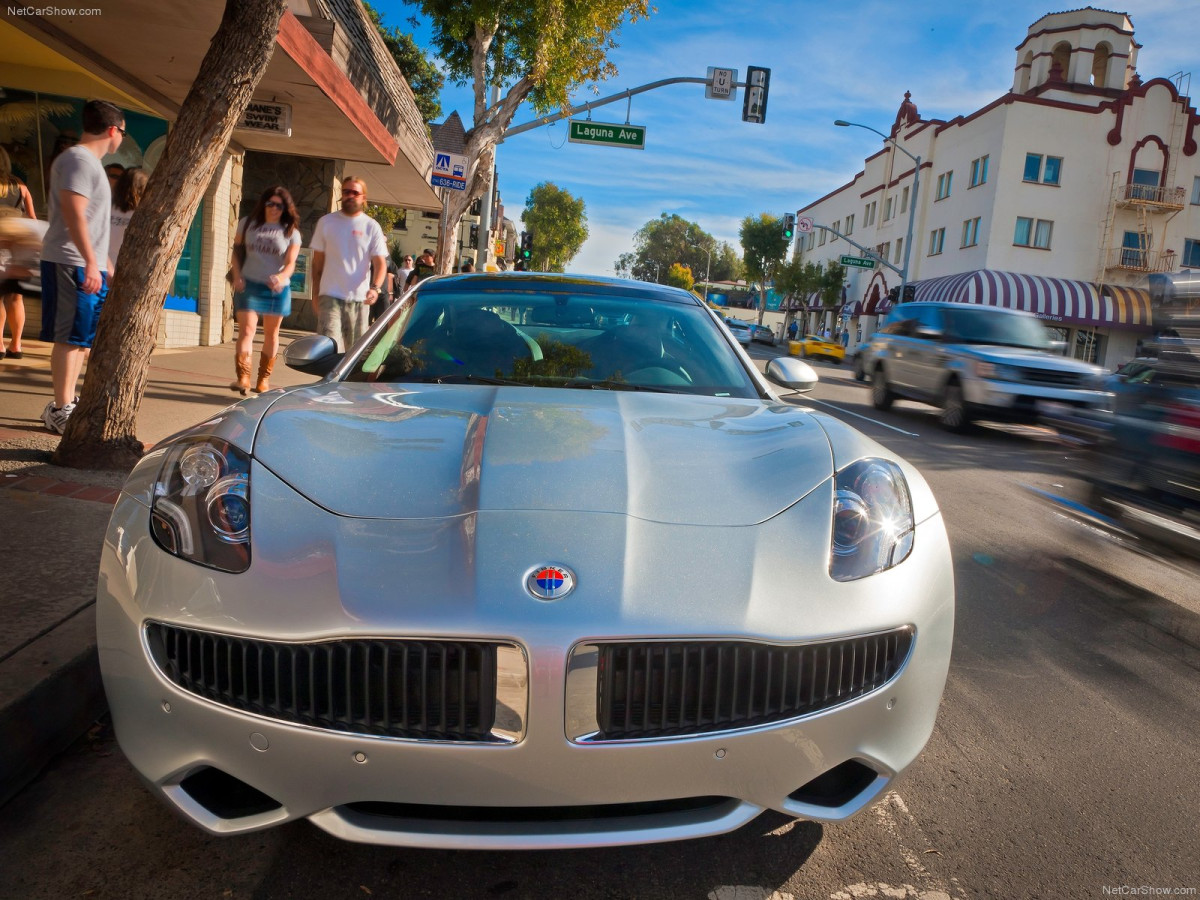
(550, 582)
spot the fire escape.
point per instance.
(1152, 208)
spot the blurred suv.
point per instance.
(977, 362)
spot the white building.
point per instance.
(1059, 197)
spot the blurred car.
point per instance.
(763, 334)
(461, 592)
(742, 331)
(863, 361)
(815, 345)
(1140, 461)
(977, 361)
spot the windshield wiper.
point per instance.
(609, 384)
(469, 378)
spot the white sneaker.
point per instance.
(55, 418)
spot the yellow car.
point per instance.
(815, 345)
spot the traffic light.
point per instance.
(526, 245)
(754, 101)
(789, 225)
(474, 239)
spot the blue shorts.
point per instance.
(69, 316)
(257, 297)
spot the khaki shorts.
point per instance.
(343, 320)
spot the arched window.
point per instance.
(1062, 59)
(1026, 70)
(1100, 65)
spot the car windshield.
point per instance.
(989, 326)
(552, 337)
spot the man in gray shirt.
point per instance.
(75, 261)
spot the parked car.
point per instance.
(462, 591)
(742, 331)
(826, 348)
(763, 334)
(977, 362)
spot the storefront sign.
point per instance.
(273, 118)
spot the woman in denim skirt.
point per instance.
(262, 274)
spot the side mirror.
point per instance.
(313, 354)
(792, 373)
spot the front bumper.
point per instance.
(1024, 401)
(317, 576)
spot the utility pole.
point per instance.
(484, 246)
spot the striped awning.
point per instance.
(853, 310)
(1050, 299)
(814, 301)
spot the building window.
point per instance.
(1196, 191)
(850, 224)
(1145, 184)
(1191, 253)
(884, 250)
(869, 214)
(1033, 233)
(970, 235)
(904, 201)
(837, 226)
(899, 250)
(812, 240)
(887, 209)
(937, 238)
(822, 241)
(943, 186)
(1044, 169)
(979, 169)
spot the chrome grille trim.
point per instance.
(661, 690)
(422, 689)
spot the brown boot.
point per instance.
(241, 364)
(265, 366)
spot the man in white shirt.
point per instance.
(349, 266)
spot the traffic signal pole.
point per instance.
(593, 104)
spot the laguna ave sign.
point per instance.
(857, 262)
(584, 131)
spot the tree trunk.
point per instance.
(101, 433)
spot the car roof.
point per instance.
(550, 282)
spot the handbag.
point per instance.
(239, 253)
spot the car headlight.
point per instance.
(201, 508)
(872, 519)
(996, 372)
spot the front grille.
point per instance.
(1050, 378)
(661, 689)
(417, 689)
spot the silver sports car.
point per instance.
(542, 561)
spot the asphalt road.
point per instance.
(1063, 763)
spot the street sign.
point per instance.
(858, 262)
(449, 170)
(609, 134)
(804, 224)
(722, 84)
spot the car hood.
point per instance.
(1025, 356)
(447, 450)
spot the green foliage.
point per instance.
(559, 360)
(559, 226)
(765, 250)
(422, 75)
(556, 44)
(795, 280)
(386, 216)
(670, 239)
(396, 253)
(680, 276)
(832, 280)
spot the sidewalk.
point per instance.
(53, 523)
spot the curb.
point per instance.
(50, 694)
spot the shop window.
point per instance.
(1089, 345)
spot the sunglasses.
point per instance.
(274, 204)
(346, 193)
(120, 129)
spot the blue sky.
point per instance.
(852, 60)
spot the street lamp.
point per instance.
(912, 206)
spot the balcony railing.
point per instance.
(1151, 196)
(1132, 260)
